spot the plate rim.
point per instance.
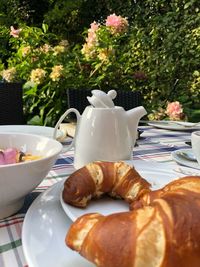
(12, 128)
(28, 253)
(162, 125)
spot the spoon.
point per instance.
(187, 155)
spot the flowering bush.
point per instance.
(174, 110)
(149, 55)
(14, 31)
(9, 75)
(48, 66)
(102, 40)
(105, 59)
(38, 61)
(117, 24)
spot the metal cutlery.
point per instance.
(187, 155)
(187, 124)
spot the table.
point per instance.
(154, 145)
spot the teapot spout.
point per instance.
(134, 115)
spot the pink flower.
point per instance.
(91, 41)
(92, 38)
(14, 32)
(8, 156)
(174, 110)
(117, 24)
(94, 26)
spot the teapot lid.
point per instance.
(100, 99)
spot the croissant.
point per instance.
(190, 183)
(164, 232)
(117, 179)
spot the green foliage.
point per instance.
(30, 12)
(39, 51)
(159, 55)
(165, 46)
(4, 44)
(69, 18)
(63, 18)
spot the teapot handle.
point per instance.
(60, 121)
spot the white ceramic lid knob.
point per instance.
(100, 99)
(112, 94)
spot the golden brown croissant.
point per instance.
(95, 179)
(190, 183)
(166, 233)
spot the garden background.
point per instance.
(53, 45)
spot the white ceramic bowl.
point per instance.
(17, 180)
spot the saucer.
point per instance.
(183, 160)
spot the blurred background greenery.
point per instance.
(159, 55)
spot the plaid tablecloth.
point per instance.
(154, 145)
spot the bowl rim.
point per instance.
(58, 148)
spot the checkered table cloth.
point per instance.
(154, 145)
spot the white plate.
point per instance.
(31, 129)
(171, 125)
(46, 224)
(182, 160)
(157, 174)
(43, 233)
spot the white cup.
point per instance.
(195, 139)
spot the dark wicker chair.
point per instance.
(128, 99)
(78, 99)
(11, 104)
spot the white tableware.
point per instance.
(195, 140)
(177, 155)
(32, 129)
(104, 132)
(189, 155)
(156, 173)
(187, 171)
(100, 99)
(43, 234)
(188, 124)
(19, 179)
(174, 125)
(46, 224)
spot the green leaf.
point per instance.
(36, 120)
(28, 85)
(45, 27)
(187, 5)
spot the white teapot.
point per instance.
(104, 131)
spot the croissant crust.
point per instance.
(116, 179)
(162, 230)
